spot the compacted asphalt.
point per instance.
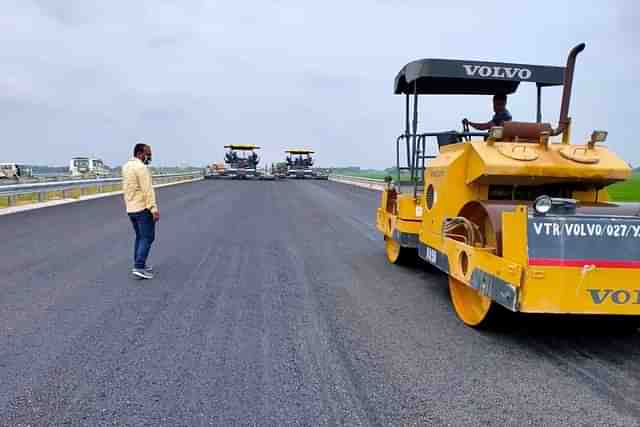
(273, 304)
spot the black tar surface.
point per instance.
(273, 304)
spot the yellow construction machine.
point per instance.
(300, 165)
(242, 161)
(214, 170)
(515, 217)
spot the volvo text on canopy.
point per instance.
(516, 219)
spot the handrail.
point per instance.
(370, 183)
(17, 189)
(357, 178)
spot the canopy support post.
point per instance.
(406, 115)
(407, 132)
(539, 108)
(398, 158)
(415, 127)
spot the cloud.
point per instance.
(92, 78)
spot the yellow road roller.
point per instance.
(517, 215)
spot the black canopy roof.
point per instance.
(456, 77)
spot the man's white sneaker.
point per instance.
(148, 269)
(142, 274)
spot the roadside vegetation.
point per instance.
(628, 191)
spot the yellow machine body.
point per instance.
(556, 263)
(514, 219)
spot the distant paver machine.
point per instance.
(516, 220)
(240, 162)
(300, 164)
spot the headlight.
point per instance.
(542, 204)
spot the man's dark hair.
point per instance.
(500, 97)
(138, 149)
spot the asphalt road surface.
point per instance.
(273, 305)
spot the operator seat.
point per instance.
(447, 138)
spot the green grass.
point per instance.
(628, 191)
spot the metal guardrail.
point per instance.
(358, 178)
(370, 183)
(78, 188)
(37, 179)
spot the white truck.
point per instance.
(81, 166)
(14, 171)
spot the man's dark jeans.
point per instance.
(145, 229)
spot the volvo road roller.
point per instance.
(517, 216)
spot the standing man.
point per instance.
(140, 199)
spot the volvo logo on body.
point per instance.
(616, 296)
(497, 72)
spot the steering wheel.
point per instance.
(465, 129)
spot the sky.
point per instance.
(82, 78)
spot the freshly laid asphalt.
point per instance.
(273, 304)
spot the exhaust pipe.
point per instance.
(563, 121)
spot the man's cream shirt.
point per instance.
(137, 186)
